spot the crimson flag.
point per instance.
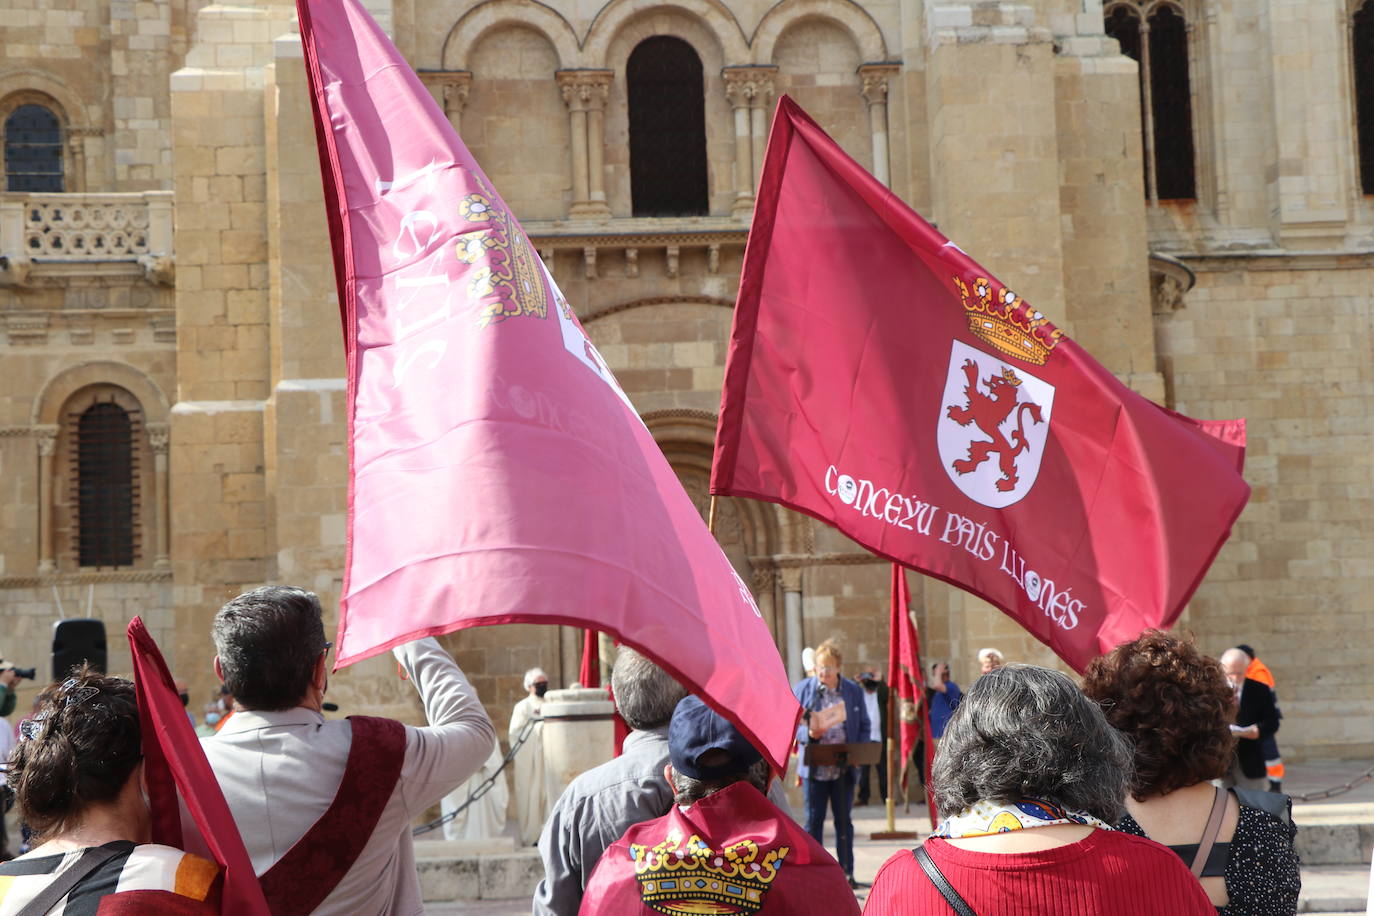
(906, 676)
(174, 762)
(497, 471)
(882, 381)
(590, 672)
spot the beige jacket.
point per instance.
(279, 772)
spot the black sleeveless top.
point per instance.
(1260, 865)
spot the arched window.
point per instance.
(1159, 44)
(667, 129)
(104, 475)
(1363, 56)
(33, 150)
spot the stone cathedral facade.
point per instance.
(1182, 185)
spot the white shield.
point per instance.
(990, 442)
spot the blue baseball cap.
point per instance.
(695, 730)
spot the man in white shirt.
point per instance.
(325, 807)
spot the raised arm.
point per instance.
(459, 737)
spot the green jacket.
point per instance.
(6, 704)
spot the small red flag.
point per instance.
(906, 676)
(882, 381)
(174, 762)
(590, 672)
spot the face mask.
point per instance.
(211, 718)
(541, 689)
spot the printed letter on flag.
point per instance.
(497, 472)
(882, 381)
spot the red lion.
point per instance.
(989, 413)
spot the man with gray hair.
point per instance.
(325, 807)
(598, 806)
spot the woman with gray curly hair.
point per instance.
(1028, 779)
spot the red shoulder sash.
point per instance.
(300, 880)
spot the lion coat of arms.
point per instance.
(993, 425)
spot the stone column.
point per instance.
(585, 93)
(873, 86)
(739, 89)
(450, 89)
(760, 104)
(792, 612)
(47, 448)
(159, 435)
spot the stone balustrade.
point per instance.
(115, 229)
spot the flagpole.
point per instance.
(711, 516)
(894, 741)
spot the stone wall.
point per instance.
(1014, 126)
(1286, 343)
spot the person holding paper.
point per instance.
(834, 712)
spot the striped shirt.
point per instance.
(167, 880)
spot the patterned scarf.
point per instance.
(984, 818)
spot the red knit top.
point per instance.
(1106, 874)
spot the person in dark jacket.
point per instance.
(1257, 717)
(831, 786)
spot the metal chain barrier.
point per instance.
(1337, 790)
(486, 784)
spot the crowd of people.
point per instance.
(1140, 791)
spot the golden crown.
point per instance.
(1007, 322)
(679, 879)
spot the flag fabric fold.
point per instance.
(881, 380)
(174, 764)
(497, 472)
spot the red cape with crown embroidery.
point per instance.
(809, 880)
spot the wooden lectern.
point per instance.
(859, 753)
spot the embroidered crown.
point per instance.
(691, 878)
(1004, 320)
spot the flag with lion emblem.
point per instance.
(882, 381)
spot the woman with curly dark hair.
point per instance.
(77, 776)
(1175, 704)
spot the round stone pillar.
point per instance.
(579, 733)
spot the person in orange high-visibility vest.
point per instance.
(1273, 763)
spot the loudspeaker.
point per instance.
(77, 640)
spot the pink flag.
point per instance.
(884, 382)
(174, 762)
(498, 474)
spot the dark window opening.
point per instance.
(33, 150)
(1363, 56)
(106, 481)
(1173, 106)
(667, 101)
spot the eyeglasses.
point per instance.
(827, 669)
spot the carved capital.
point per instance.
(46, 437)
(763, 578)
(449, 87)
(748, 87)
(873, 81)
(158, 437)
(584, 90)
(791, 578)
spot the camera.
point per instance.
(27, 674)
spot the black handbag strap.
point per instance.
(90, 860)
(937, 878)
